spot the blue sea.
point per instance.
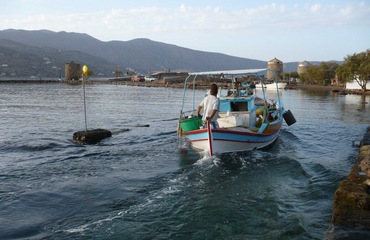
(139, 184)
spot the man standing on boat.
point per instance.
(210, 105)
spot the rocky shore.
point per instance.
(352, 198)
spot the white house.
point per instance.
(355, 86)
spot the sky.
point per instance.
(289, 30)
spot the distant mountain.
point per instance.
(25, 60)
(45, 52)
(142, 55)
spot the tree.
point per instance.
(328, 69)
(288, 75)
(319, 74)
(356, 67)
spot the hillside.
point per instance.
(44, 53)
(25, 60)
(25, 51)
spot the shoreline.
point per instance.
(351, 203)
(198, 85)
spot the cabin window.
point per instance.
(239, 106)
(226, 106)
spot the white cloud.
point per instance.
(346, 11)
(147, 19)
(315, 8)
(202, 26)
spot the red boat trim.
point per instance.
(209, 130)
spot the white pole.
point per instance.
(83, 83)
(85, 70)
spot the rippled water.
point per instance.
(139, 185)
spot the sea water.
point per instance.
(139, 184)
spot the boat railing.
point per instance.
(259, 73)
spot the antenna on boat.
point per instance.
(276, 83)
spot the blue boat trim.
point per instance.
(246, 121)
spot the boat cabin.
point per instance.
(237, 112)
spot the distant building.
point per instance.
(353, 85)
(170, 77)
(72, 71)
(302, 67)
(276, 65)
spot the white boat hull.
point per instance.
(272, 86)
(220, 146)
(226, 140)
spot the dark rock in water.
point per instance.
(91, 136)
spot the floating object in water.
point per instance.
(142, 125)
(120, 131)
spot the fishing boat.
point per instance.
(246, 121)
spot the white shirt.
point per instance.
(208, 104)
